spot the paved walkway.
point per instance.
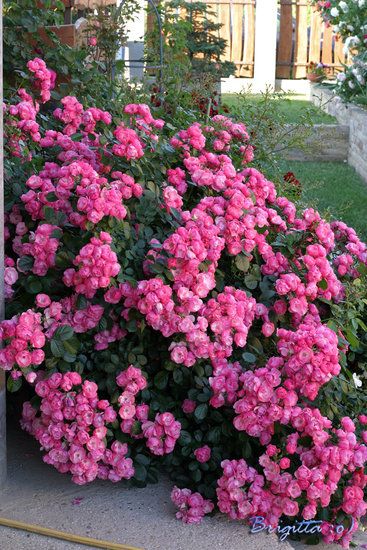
(36, 493)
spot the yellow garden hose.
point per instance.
(87, 541)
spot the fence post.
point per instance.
(265, 44)
(2, 376)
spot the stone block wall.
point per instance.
(328, 142)
(351, 115)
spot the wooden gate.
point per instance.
(304, 37)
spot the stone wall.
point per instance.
(351, 115)
(327, 142)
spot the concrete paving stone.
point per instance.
(36, 493)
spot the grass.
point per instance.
(336, 188)
(291, 106)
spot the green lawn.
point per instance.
(291, 105)
(334, 187)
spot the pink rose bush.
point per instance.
(169, 308)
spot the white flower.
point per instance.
(351, 84)
(350, 28)
(343, 6)
(334, 12)
(336, 29)
(350, 42)
(357, 381)
(361, 3)
(341, 77)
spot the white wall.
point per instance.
(2, 374)
(234, 85)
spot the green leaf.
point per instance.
(140, 472)
(251, 281)
(249, 357)
(161, 380)
(352, 339)
(142, 459)
(196, 476)
(51, 197)
(65, 332)
(33, 285)
(13, 385)
(201, 411)
(56, 234)
(178, 376)
(69, 358)
(185, 438)
(81, 302)
(323, 284)
(72, 345)
(214, 435)
(242, 262)
(25, 263)
(57, 348)
(53, 217)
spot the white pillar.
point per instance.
(2, 377)
(135, 42)
(265, 44)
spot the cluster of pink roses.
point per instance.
(66, 312)
(130, 141)
(10, 277)
(96, 197)
(70, 114)
(202, 454)
(24, 339)
(162, 433)
(42, 247)
(238, 235)
(104, 338)
(20, 122)
(44, 78)
(133, 382)
(72, 428)
(244, 493)
(192, 507)
(96, 263)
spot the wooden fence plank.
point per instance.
(315, 36)
(247, 67)
(237, 21)
(225, 31)
(339, 55)
(301, 41)
(284, 54)
(327, 46)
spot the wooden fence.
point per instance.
(238, 28)
(302, 37)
